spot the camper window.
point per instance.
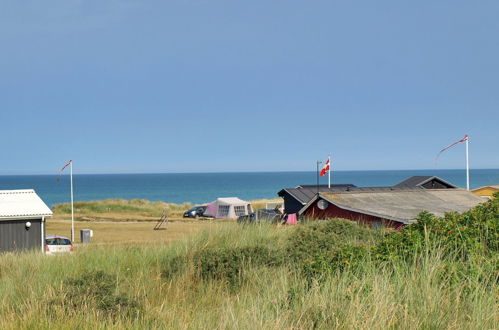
(240, 210)
(223, 210)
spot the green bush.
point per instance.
(173, 266)
(97, 290)
(315, 244)
(228, 264)
(340, 258)
(475, 232)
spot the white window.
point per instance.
(223, 210)
(240, 210)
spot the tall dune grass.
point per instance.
(162, 287)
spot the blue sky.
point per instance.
(203, 86)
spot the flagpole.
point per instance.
(329, 172)
(72, 214)
(318, 177)
(467, 166)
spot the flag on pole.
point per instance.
(326, 168)
(62, 169)
(70, 164)
(464, 139)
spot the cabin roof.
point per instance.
(401, 205)
(23, 203)
(420, 180)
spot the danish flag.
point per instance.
(326, 168)
(464, 139)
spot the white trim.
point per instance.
(433, 178)
(20, 217)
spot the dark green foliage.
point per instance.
(337, 259)
(173, 266)
(322, 247)
(475, 232)
(99, 290)
(318, 238)
(228, 264)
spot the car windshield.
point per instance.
(197, 208)
(57, 241)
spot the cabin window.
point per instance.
(377, 225)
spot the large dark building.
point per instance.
(22, 220)
(388, 206)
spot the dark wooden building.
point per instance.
(298, 197)
(22, 220)
(388, 208)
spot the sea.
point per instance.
(200, 188)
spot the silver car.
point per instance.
(58, 244)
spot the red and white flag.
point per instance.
(326, 168)
(62, 169)
(464, 139)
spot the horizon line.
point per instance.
(243, 172)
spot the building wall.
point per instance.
(291, 205)
(332, 211)
(15, 237)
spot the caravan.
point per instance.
(228, 207)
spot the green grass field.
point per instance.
(441, 273)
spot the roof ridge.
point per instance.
(17, 191)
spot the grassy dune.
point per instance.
(128, 210)
(328, 275)
(119, 209)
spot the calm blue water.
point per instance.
(205, 187)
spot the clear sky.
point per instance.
(210, 85)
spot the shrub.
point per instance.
(228, 264)
(475, 232)
(97, 291)
(342, 257)
(321, 238)
(173, 265)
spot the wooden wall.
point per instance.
(332, 211)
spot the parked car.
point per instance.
(196, 212)
(58, 244)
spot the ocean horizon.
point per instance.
(200, 188)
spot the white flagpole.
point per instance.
(467, 166)
(72, 214)
(329, 172)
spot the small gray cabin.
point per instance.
(22, 220)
